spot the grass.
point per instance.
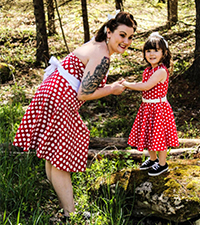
(23, 189)
(28, 198)
(25, 195)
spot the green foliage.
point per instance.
(117, 126)
(23, 188)
(111, 207)
(10, 117)
(17, 53)
(189, 130)
(26, 195)
(12, 113)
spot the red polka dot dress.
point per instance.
(52, 125)
(154, 127)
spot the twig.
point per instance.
(61, 26)
(101, 152)
(62, 4)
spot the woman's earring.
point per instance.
(107, 40)
(105, 29)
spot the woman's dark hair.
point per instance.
(158, 42)
(121, 18)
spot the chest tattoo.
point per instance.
(91, 82)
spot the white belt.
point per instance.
(157, 100)
(55, 64)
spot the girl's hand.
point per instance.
(125, 83)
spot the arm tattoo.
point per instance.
(91, 82)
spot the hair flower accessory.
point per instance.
(112, 17)
(156, 34)
(109, 18)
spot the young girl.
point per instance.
(154, 127)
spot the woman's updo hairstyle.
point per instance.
(122, 18)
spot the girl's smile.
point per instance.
(153, 56)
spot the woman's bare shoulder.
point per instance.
(91, 50)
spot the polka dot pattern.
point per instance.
(52, 125)
(154, 127)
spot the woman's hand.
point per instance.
(117, 87)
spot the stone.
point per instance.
(6, 72)
(197, 222)
(174, 195)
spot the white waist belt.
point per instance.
(55, 64)
(157, 100)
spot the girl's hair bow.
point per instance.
(156, 34)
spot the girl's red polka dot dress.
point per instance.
(52, 125)
(154, 127)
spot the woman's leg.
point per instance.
(48, 167)
(61, 181)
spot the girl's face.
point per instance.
(120, 39)
(153, 56)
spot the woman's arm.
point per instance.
(95, 71)
(159, 76)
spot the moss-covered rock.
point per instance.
(174, 195)
(6, 72)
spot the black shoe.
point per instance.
(148, 164)
(157, 169)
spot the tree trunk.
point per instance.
(119, 4)
(197, 46)
(172, 7)
(51, 18)
(42, 54)
(192, 74)
(85, 21)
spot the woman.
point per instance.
(52, 125)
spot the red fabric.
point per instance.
(52, 125)
(154, 127)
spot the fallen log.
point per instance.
(134, 154)
(121, 143)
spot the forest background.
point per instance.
(112, 116)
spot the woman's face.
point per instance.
(120, 39)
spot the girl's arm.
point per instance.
(94, 73)
(159, 76)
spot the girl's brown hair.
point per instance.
(156, 42)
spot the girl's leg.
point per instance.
(153, 155)
(161, 167)
(162, 157)
(149, 162)
(61, 181)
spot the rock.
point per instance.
(197, 222)
(6, 72)
(174, 195)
